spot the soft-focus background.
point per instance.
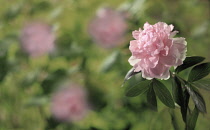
(62, 62)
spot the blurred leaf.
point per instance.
(30, 78)
(51, 123)
(110, 61)
(138, 88)
(177, 92)
(203, 83)
(201, 29)
(163, 94)
(151, 98)
(12, 12)
(174, 120)
(56, 12)
(95, 94)
(51, 81)
(37, 101)
(191, 122)
(199, 72)
(40, 6)
(188, 62)
(129, 75)
(3, 64)
(197, 98)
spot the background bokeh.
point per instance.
(27, 82)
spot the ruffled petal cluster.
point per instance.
(154, 50)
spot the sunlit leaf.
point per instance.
(163, 93)
(130, 74)
(188, 62)
(138, 88)
(197, 98)
(199, 72)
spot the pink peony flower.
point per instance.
(108, 28)
(70, 104)
(155, 50)
(37, 39)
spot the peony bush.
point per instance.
(154, 52)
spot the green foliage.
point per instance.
(191, 122)
(177, 91)
(163, 94)
(138, 88)
(197, 98)
(198, 72)
(188, 62)
(151, 98)
(203, 83)
(3, 65)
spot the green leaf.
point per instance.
(180, 97)
(51, 82)
(174, 120)
(188, 62)
(199, 72)
(129, 74)
(151, 98)
(203, 83)
(185, 107)
(138, 88)
(191, 122)
(163, 93)
(197, 98)
(177, 92)
(37, 101)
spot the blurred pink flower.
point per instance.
(70, 104)
(108, 28)
(155, 50)
(37, 39)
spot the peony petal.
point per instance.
(171, 27)
(146, 75)
(152, 61)
(179, 44)
(165, 76)
(137, 68)
(159, 70)
(136, 34)
(133, 45)
(169, 60)
(173, 34)
(132, 60)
